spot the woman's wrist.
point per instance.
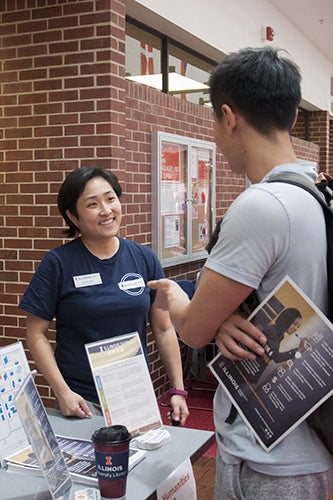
(178, 392)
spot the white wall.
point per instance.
(217, 27)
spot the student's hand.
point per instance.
(179, 410)
(235, 330)
(167, 290)
(73, 405)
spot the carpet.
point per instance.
(200, 404)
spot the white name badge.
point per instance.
(130, 284)
(87, 280)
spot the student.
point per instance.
(265, 235)
(78, 284)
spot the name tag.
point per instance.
(130, 284)
(87, 280)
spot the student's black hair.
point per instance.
(72, 188)
(264, 87)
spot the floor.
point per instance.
(204, 473)
(200, 403)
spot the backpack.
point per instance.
(321, 420)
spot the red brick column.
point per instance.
(319, 133)
(61, 106)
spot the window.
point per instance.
(192, 67)
(143, 51)
(157, 61)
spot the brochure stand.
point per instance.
(123, 383)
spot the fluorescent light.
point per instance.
(178, 84)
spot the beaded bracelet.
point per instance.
(178, 392)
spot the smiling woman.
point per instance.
(98, 217)
(95, 288)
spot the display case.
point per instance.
(183, 197)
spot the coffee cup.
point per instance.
(112, 453)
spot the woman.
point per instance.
(94, 286)
(287, 322)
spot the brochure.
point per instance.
(277, 391)
(14, 368)
(79, 455)
(43, 441)
(123, 383)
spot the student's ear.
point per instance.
(229, 116)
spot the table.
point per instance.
(142, 480)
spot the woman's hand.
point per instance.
(179, 411)
(237, 330)
(72, 404)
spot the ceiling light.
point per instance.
(178, 84)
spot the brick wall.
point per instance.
(65, 103)
(62, 106)
(319, 133)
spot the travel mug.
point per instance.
(112, 452)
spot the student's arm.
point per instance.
(71, 403)
(198, 321)
(168, 347)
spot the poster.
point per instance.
(277, 391)
(172, 231)
(123, 383)
(170, 162)
(14, 368)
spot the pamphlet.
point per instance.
(79, 455)
(277, 391)
(14, 368)
(123, 383)
(44, 443)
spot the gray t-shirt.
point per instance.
(272, 230)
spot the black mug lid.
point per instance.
(114, 434)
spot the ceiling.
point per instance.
(313, 17)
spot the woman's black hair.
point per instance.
(72, 188)
(286, 318)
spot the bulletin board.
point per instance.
(183, 197)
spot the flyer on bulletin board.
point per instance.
(123, 383)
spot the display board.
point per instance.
(183, 197)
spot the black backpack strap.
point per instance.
(319, 191)
(304, 183)
(232, 415)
